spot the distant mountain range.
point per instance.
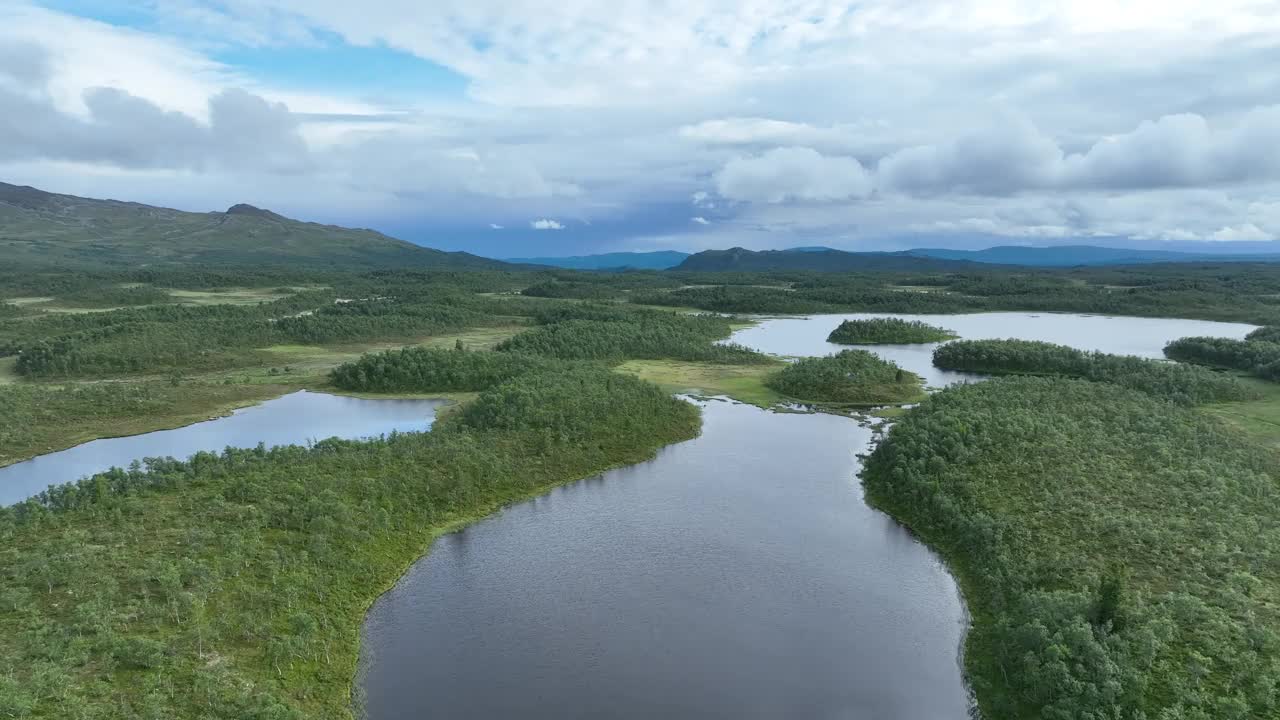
(1073, 255)
(42, 228)
(660, 260)
(924, 259)
(39, 228)
(823, 259)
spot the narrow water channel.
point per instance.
(738, 575)
(293, 419)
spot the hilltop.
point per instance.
(934, 260)
(657, 260)
(740, 259)
(39, 228)
(1077, 255)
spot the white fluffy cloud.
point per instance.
(1247, 232)
(1172, 151)
(768, 132)
(1085, 119)
(793, 174)
(529, 52)
(546, 224)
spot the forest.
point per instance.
(170, 337)
(418, 370)
(1237, 292)
(38, 418)
(1177, 383)
(647, 335)
(233, 584)
(887, 331)
(238, 580)
(134, 331)
(1258, 354)
(1116, 551)
(849, 377)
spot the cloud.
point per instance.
(495, 226)
(415, 161)
(244, 131)
(700, 220)
(792, 173)
(528, 53)
(1183, 151)
(545, 224)
(24, 65)
(1011, 156)
(1003, 157)
(821, 118)
(1245, 232)
(769, 132)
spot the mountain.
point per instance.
(816, 259)
(1072, 255)
(660, 260)
(43, 228)
(934, 259)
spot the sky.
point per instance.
(517, 128)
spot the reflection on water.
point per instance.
(737, 575)
(293, 419)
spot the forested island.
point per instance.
(1182, 384)
(233, 584)
(850, 377)
(887, 331)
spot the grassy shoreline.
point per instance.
(214, 401)
(212, 395)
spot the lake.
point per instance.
(737, 575)
(1144, 337)
(293, 419)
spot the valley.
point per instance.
(339, 435)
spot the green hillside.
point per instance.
(42, 228)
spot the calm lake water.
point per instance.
(738, 575)
(289, 420)
(1144, 337)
